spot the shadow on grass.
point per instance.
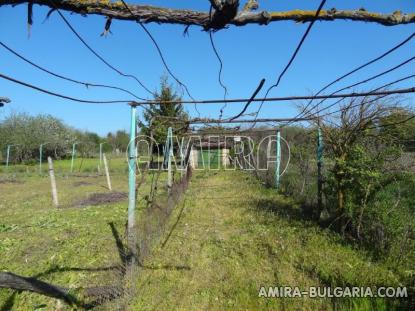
(285, 210)
(174, 225)
(126, 254)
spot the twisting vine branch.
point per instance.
(228, 13)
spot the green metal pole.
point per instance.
(8, 156)
(278, 163)
(40, 158)
(73, 156)
(131, 173)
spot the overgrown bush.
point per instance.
(388, 226)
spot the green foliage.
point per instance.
(8, 228)
(378, 211)
(378, 208)
(157, 117)
(394, 126)
(28, 132)
(87, 143)
(388, 225)
(118, 140)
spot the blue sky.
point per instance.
(249, 54)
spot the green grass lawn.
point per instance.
(81, 165)
(231, 236)
(228, 237)
(73, 246)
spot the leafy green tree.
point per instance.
(399, 125)
(160, 117)
(87, 143)
(118, 140)
(27, 133)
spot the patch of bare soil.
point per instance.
(85, 175)
(81, 183)
(101, 198)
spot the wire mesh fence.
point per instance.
(82, 245)
(160, 203)
(151, 230)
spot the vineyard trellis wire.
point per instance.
(158, 205)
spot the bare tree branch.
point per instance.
(224, 13)
(5, 100)
(228, 13)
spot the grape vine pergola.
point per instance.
(223, 13)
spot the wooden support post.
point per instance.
(278, 160)
(107, 171)
(53, 183)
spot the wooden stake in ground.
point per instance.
(107, 171)
(53, 183)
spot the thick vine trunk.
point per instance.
(228, 16)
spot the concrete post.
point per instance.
(53, 183)
(107, 173)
